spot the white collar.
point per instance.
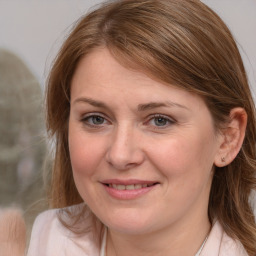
(104, 243)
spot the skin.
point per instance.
(115, 132)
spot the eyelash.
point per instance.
(86, 119)
(168, 121)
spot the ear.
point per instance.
(232, 136)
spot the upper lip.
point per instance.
(128, 182)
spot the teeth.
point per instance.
(119, 187)
(128, 187)
(138, 186)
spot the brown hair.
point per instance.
(181, 42)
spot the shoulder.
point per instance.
(46, 229)
(49, 237)
(219, 243)
(231, 247)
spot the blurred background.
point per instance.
(31, 33)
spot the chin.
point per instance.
(129, 224)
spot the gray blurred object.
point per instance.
(22, 145)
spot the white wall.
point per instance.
(240, 16)
(34, 29)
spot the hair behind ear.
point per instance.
(234, 180)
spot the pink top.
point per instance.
(49, 237)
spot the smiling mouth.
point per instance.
(130, 186)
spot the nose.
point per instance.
(125, 150)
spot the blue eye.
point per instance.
(160, 121)
(97, 120)
(94, 120)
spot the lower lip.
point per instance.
(127, 194)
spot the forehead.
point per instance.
(100, 75)
(100, 64)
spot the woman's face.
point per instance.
(142, 152)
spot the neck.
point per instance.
(183, 240)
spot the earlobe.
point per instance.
(232, 136)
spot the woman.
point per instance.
(155, 136)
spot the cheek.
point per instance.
(85, 158)
(185, 156)
(85, 153)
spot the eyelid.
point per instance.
(93, 114)
(171, 120)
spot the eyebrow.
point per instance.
(92, 102)
(141, 107)
(153, 105)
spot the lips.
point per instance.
(128, 189)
